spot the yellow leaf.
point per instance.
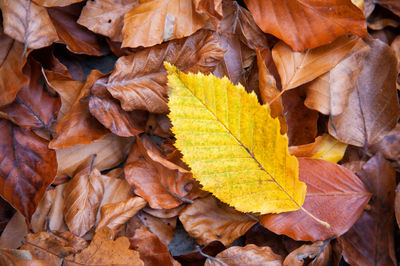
(232, 144)
(324, 147)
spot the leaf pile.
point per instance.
(271, 136)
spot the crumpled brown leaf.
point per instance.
(51, 3)
(316, 250)
(103, 250)
(155, 21)
(211, 8)
(389, 146)
(83, 195)
(28, 23)
(163, 228)
(140, 88)
(208, 219)
(20, 258)
(247, 255)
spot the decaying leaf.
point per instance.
(389, 146)
(208, 219)
(19, 257)
(14, 233)
(211, 8)
(226, 135)
(28, 23)
(305, 24)
(155, 21)
(140, 88)
(247, 255)
(297, 257)
(163, 228)
(334, 195)
(51, 3)
(27, 167)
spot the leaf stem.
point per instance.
(315, 218)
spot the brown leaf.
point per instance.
(103, 250)
(34, 106)
(163, 228)
(160, 182)
(28, 23)
(247, 255)
(51, 3)
(106, 17)
(315, 250)
(397, 205)
(371, 240)
(208, 219)
(114, 215)
(210, 8)
(20, 258)
(329, 93)
(11, 64)
(78, 39)
(78, 126)
(144, 88)
(334, 195)
(389, 146)
(108, 112)
(297, 68)
(6, 213)
(14, 233)
(305, 24)
(152, 251)
(162, 213)
(82, 200)
(373, 108)
(28, 167)
(392, 5)
(160, 125)
(110, 150)
(155, 21)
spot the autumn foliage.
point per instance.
(199, 132)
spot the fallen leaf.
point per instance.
(6, 213)
(207, 115)
(82, 199)
(373, 108)
(329, 93)
(163, 228)
(103, 250)
(78, 39)
(28, 23)
(78, 126)
(139, 88)
(110, 150)
(34, 106)
(113, 215)
(324, 147)
(389, 146)
(106, 17)
(28, 167)
(315, 250)
(297, 68)
(210, 8)
(164, 213)
(397, 205)
(208, 219)
(19, 257)
(51, 3)
(155, 21)
(392, 5)
(14, 233)
(305, 24)
(152, 251)
(371, 240)
(247, 255)
(160, 125)
(11, 64)
(334, 195)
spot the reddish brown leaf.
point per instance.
(144, 88)
(389, 146)
(247, 255)
(28, 23)
(211, 8)
(78, 39)
(155, 21)
(305, 24)
(160, 125)
(371, 240)
(6, 213)
(163, 228)
(51, 3)
(11, 64)
(316, 251)
(34, 106)
(392, 5)
(28, 167)
(334, 195)
(14, 233)
(78, 126)
(19, 257)
(152, 251)
(373, 108)
(208, 219)
(106, 17)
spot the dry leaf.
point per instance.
(106, 17)
(389, 146)
(113, 215)
(208, 219)
(164, 229)
(103, 250)
(155, 21)
(373, 109)
(334, 195)
(14, 233)
(28, 23)
(82, 199)
(392, 5)
(397, 205)
(51, 3)
(140, 88)
(297, 257)
(210, 8)
(305, 24)
(28, 167)
(20, 258)
(247, 255)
